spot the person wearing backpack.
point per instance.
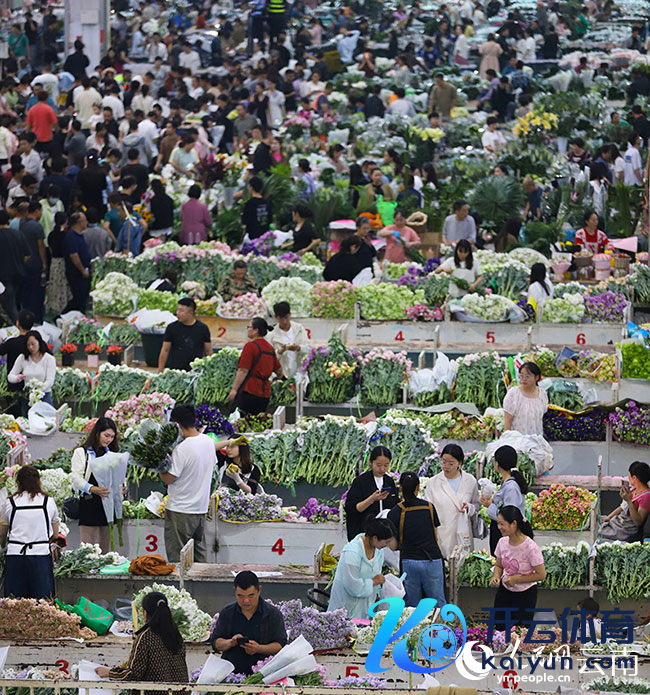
(29, 522)
(416, 520)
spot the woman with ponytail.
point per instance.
(519, 566)
(158, 653)
(416, 520)
(511, 493)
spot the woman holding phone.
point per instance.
(371, 493)
(624, 523)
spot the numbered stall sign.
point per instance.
(152, 543)
(278, 547)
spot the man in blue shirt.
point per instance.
(33, 100)
(77, 263)
(130, 236)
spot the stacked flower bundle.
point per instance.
(243, 507)
(562, 507)
(214, 422)
(29, 619)
(563, 427)
(605, 308)
(331, 372)
(317, 512)
(132, 411)
(631, 423)
(246, 306)
(382, 374)
(333, 300)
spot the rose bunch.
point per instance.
(562, 507)
(421, 312)
(246, 306)
(147, 406)
(382, 374)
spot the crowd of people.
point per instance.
(82, 150)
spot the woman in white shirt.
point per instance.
(462, 267)
(93, 525)
(29, 520)
(540, 289)
(37, 362)
(461, 47)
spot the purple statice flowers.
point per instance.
(262, 246)
(213, 420)
(323, 630)
(631, 423)
(608, 307)
(318, 512)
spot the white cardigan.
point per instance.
(79, 472)
(44, 370)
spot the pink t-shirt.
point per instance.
(394, 249)
(641, 501)
(519, 559)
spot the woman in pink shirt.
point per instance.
(396, 233)
(519, 566)
(195, 218)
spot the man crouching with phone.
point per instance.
(250, 629)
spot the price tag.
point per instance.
(581, 339)
(399, 337)
(153, 543)
(352, 671)
(221, 331)
(489, 337)
(278, 547)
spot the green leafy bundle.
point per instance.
(477, 569)
(154, 447)
(216, 375)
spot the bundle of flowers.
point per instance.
(609, 684)
(622, 570)
(136, 510)
(35, 390)
(68, 348)
(545, 359)
(208, 307)
(194, 289)
(491, 307)
(86, 559)
(569, 308)
(124, 334)
(60, 458)
(331, 372)
(192, 622)
(564, 427)
(480, 380)
(566, 566)
(535, 126)
(246, 306)
(631, 423)
(254, 423)
(293, 290)
(636, 361)
(243, 507)
(605, 308)
(262, 246)
(589, 364)
(435, 288)
(131, 412)
(117, 382)
(283, 392)
(93, 349)
(421, 312)
(329, 452)
(115, 295)
(216, 375)
(562, 507)
(276, 454)
(333, 300)
(394, 271)
(85, 330)
(213, 421)
(154, 299)
(29, 619)
(525, 465)
(387, 301)
(265, 270)
(176, 383)
(412, 445)
(76, 424)
(477, 569)
(319, 512)
(323, 630)
(382, 374)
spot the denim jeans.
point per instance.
(424, 579)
